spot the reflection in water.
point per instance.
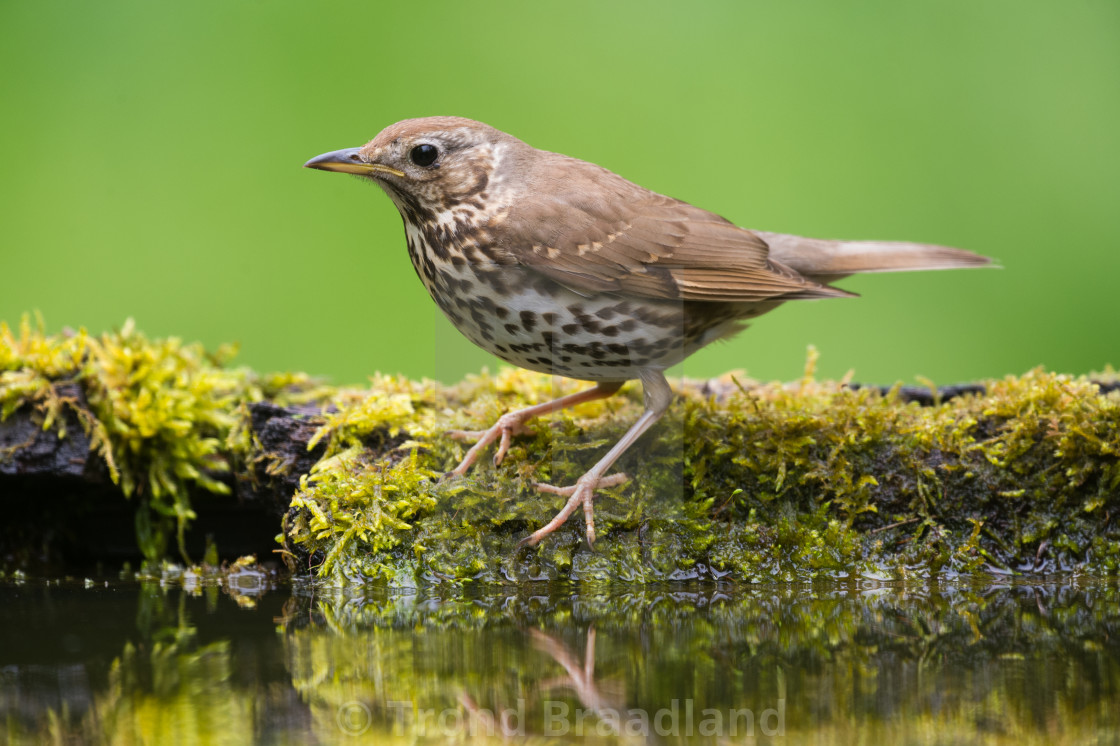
(128, 664)
(580, 679)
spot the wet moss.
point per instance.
(746, 481)
(760, 483)
(166, 417)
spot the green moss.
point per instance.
(758, 482)
(766, 483)
(162, 414)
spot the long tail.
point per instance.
(829, 260)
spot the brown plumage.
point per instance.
(561, 266)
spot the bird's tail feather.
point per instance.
(815, 257)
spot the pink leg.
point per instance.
(513, 423)
(658, 396)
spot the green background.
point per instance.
(150, 159)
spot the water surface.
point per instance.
(110, 661)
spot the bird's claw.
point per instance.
(582, 492)
(508, 425)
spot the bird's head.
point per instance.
(426, 165)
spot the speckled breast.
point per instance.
(534, 322)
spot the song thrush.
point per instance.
(563, 267)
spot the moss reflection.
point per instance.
(672, 664)
(1015, 663)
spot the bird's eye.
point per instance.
(423, 155)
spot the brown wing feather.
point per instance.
(622, 238)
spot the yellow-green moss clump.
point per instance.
(761, 483)
(748, 482)
(167, 417)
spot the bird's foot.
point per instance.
(508, 425)
(582, 492)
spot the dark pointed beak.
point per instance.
(349, 161)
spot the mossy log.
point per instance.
(741, 481)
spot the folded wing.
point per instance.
(621, 238)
